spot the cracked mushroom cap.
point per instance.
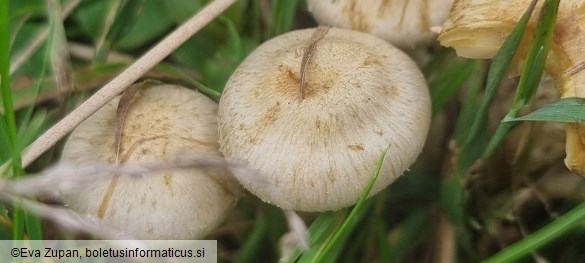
(362, 96)
(163, 122)
(404, 23)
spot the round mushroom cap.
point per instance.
(163, 122)
(404, 23)
(362, 96)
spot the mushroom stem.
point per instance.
(477, 29)
(571, 86)
(309, 50)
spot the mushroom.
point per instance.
(404, 23)
(362, 96)
(477, 29)
(162, 122)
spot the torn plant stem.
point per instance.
(309, 50)
(125, 79)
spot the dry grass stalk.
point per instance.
(125, 79)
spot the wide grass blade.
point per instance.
(563, 110)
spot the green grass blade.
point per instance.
(283, 14)
(34, 127)
(321, 228)
(25, 131)
(228, 56)
(335, 241)
(21, 219)
(532, 71)
(447, 79)
(467, 116)
(124, 15)
(528, 244)
(9, 115)
(435, 62)
(496, 73)
(6, 92)
(254, 240)
(412, 230)
(381, 232)
(563, 110)
(209, 92)
(5, 153)
(33, 226)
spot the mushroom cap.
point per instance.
(477, 29)
(163, 122)
(404, 23)
(362, 96)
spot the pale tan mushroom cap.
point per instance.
(477, 29)
(404, 23)
(363, 96)
(163, 122)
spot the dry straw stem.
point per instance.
(64, 177)
(85, 53)
(125, 79)
(318, 35)
(123, 108)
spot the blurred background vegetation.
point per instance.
(437, 212)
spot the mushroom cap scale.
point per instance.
(163, 122)
(362, 96)
(404, 23)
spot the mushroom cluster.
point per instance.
(406, 24)
(162, 122)
(316, 132)
(477, 29)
